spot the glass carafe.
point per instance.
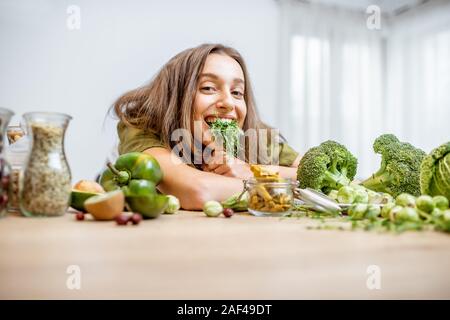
(5, 170)
(46, 182)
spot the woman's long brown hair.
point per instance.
(166, 103)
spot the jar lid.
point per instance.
(272, 181)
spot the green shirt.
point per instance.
(133, 139)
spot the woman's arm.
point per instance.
(191, 186)
(237, 168)
(288, 172)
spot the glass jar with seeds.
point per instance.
(5, 169)
(46, 179)
(269, 196)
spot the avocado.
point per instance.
(77, 199)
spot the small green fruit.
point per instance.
(173, 205)
(212, 208)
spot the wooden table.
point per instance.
(190, 256)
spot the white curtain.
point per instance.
(418, 76)
(342, 81)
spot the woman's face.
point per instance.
(220, 93)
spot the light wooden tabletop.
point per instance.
(190, 256)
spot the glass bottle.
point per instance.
(47, 179)
(5, 170)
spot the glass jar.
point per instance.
(270, 197)
(5, 169)
(16, 155)
(46, 187)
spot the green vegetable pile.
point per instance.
(420, 184)
(383, 213)
(227, 133)
(137, 175)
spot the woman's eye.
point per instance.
(237, 93)
(208, 89)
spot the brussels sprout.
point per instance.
(361, 196)
(373, 211)
(333, 194)
(346, 195)
(386, 209)
(375, 197)
(407, 214)
(357, 211)
(406, 200)
(387, 198)
(173, 205)
(437, 213)
(441, 219)
(440, 202)
(446, 215)
(212, 208)
(425, 203)
(394, 212)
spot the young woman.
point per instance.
(194, 88)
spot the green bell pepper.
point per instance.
(139, 172)
(150, 206)
(137, 175)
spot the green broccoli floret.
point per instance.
(435, 172)
(326, 167)
(400, 167)
(228, 133)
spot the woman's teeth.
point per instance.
(210, 119)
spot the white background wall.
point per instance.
(44, 66)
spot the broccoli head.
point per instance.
(326, 167)
(435, 172)
(400, 167)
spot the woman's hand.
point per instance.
(225, 165)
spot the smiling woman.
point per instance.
(195, 88)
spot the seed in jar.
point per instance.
(47, 180)
(262, 192)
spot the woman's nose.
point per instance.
(225, 104)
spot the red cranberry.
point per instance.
(136, 218)
(228, 212)
(122, 219)
(80, 216)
